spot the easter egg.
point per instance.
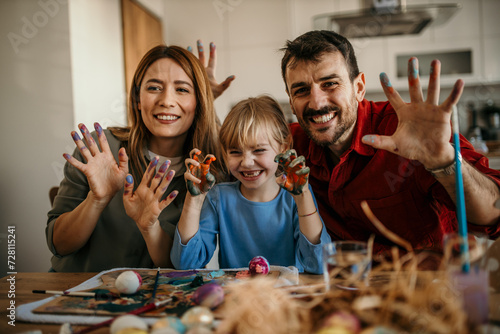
(378, 330)
(131, 331)
(198, 316)
(199, 330)
(170, 322)
(164, 330)
(210, 295)
(343, 319)
(128, 321)
(334, 330)
(258, 266)
(128, 282)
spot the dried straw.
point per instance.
(398, 296)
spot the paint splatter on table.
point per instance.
(176, 284)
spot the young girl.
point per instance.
(254, 215)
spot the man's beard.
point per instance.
(345, 119)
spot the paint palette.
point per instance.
(176, 284)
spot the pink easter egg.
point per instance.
(258, 266)
(210, 295)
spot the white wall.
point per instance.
(62, 64)
(247, 34)
(97, 60)
(35, 120)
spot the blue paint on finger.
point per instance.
(75, 136)
(66, 156)
(98, 128)
(129, 179)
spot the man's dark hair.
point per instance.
(312, 45)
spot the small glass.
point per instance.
(346, 264)
(472, 285)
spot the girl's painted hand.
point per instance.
(104, 175)
(145, 204)
(198, 178)
(295, 173)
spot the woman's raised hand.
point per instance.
(144, 205)
(104, 174)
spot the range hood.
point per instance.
(386, 18)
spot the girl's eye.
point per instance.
(182, 90)
(153, 88)
(233, 152)
(260, 150)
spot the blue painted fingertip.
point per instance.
(190, 49)
(129, 179)
(369, 138)
(385, 79)
(75, 136)
(98, 128)
(66, 156)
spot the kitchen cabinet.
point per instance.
(474, 29)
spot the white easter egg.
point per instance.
(198, 316)
(128, 282)
(128, 321)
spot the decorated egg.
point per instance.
(210, 295)
(128, 282)
(258, 266)
(131, 331)
(199, 330)
(198, 316)
(164, 330)
(343, 319)
(334, 330)
(378, 330)
(126, 322)
(170, 322)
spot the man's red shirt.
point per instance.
(404, 196)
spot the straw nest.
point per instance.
(399, 297)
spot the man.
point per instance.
(395, 155)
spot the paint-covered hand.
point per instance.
(217, 88)
(145, 204)
(295, 173)
(199, 180)
(104, 175)
(423, 132)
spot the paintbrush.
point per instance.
(96, 295)
(460, 196)
(140, 310)
(153, 296)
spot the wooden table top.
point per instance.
(26, 282)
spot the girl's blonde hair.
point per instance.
(203, 132)
(251, 117)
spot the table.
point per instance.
(26, 282)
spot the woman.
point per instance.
(96, 222)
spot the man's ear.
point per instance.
(359, 85)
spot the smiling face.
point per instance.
(167, 105)
(253, 165)
(323, 98)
